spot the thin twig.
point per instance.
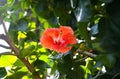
(2, 36)
(8, 40)
(114, 77)
(3, 46)
(7, 53)
(98, 74)
(82, 59)
(87, 53)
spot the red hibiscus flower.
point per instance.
(58, 39)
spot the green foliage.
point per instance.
(88, 18)
(27, 51)
(7, 60)
(2, 72)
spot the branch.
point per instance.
(79, 60)
(30, 68)
(8, 40)
(87, 53)
(114, 77)
(98, 74)
(3, 46)
(6, 53)
(3, 37)
(16, 50)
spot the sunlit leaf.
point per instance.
(18, 63)
(54, 68)
(7, 60)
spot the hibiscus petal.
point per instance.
(70, 39)
(62, 49)
(52, 32)
(46, 43)
(58, 39)
(66, 30)
(48, 36)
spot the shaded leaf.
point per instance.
(2, 2)
(107, 1)
(3, 72)
(40, 64)
(84, 32)
(17, 75)
(32, 36)
(110, 40)
(108, 60)
(83, 11)
(20, 25)
(14, 36)
(63, 8)
(27, 51)
(94, 29)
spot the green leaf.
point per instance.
(18, 63)
(32, 36)
(25, 4)
(83, 11)
(17, 75)
(107, 1)
(7, 60)
(13, 36)
(3, 72)
(64, 8)
(20, 25)
(40, 64)
(2, 2)
(54, 68)
(27, 51)
(102, 28)
(94, 29)
(45, 11)
(84, 32)
(108, 60)
(110, 39)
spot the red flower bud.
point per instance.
(58, 39)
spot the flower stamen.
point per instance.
(59, 37)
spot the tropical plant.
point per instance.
(60, 39)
